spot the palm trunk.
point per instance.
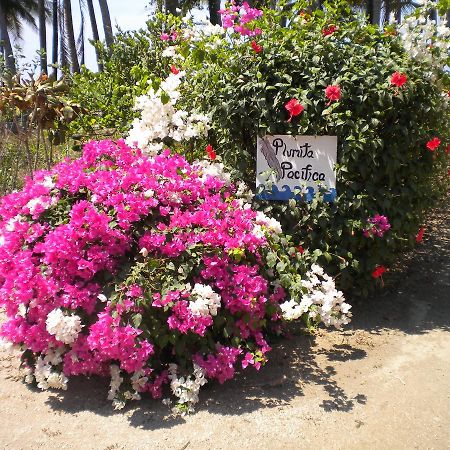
(68, 21)
(172, 6)
(387, 10)
(106, 18)
(55, 30)
(10, 61)
(95, 35)
(376, 12)
(42, 36)
(214, 16)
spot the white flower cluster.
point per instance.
(64, 328)
(11, 224)
(213, 169)
(187, 388)
(264, 224)
(425, 41)
(35, 202)
(206, 300)
(322, 300)
(114, 386)
(160, 119)
(138, 381)
(204, 29)
(44, 375)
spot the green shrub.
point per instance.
(383, 166)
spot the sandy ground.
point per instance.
(382, 383)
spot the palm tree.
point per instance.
(213, 8)
(106, 18)
(172, 6)
(7, 51)
(13, 14)
(42, 35)
(55, 40)
(68, 28)
(95, 35)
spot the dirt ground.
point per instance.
(382, 383)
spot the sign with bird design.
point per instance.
(289, 166)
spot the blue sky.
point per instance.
(128, 15)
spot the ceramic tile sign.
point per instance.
(285, 163)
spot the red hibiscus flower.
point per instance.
(174, 70)
(211, 153)
(329, 30)
(420, 234)
(257, 48)
(398, 79)
(294, 108)
(333, 93)
(433, 144)
(378, 272)
(300, 249)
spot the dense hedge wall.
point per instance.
(384, 166)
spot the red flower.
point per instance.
(379, 270)
(333, 93)
(398, 79)
(211, 153)
(257, 48)
(300, 249)
(433, 144)
(294, 108)
(329, 30)
(174, 70)
(420, 234)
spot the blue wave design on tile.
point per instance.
(286, 193)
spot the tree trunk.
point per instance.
(42, 36)
(68, 22)
(376, 12)
(95, 35)
(55, 38)
(387, 10)
(434, 15)
(106, 18)
(214, 16)
(172, 6)
(10, 61)
(369, 10)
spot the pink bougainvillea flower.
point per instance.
(174, 70)
(378, 272)
(294, 108)
(333, 93)
(398, 79)
(211, 153)
(257, 48)
(419, 236)
(328, 31)
(164, 37)
(433, 144)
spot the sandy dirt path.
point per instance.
(383, 383)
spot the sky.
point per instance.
(126, 14)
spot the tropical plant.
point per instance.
(13, 14)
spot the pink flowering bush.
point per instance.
(150, 270)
